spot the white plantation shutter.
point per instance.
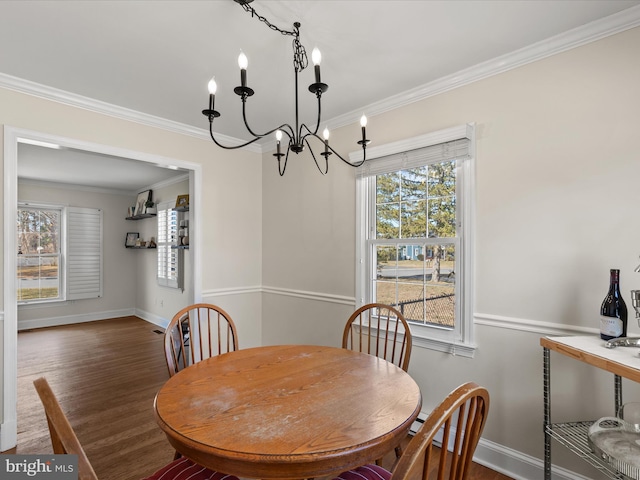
(84, 253)
(169, 265)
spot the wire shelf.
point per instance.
(575, 436)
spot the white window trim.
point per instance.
(424, 336)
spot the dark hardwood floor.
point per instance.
(105, 375)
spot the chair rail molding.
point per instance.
(533, 326)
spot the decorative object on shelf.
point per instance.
(131, 212)
(183, 232)
(143, 198)
(299, 136)
(131, 239)
(150, 208)
(617, 440)
(152, 243)
(182, 201)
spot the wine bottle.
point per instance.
(613, 312)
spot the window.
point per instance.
(414, 235)
(169, 264)
(39, 254)
(59, 253)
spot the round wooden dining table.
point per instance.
(287, 411)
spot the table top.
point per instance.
(590, 349)
(288, 411)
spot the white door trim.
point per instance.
(8, 428)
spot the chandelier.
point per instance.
(299, 136)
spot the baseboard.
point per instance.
(517, 465)
(152, 318)
(72, 319)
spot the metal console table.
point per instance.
(622, 362)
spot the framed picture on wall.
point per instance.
(143, 198)
(131, 239)
(182, 201)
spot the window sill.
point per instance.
(439, 345)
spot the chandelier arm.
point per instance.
(284, 167)
(258, 136)
(364, 150)
(319, 114)
(326, 158)
(226, 146)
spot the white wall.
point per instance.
(558, 169)
(230, 197)
(120, 265)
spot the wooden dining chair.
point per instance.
(65, 441)
(197, 332)
(379, 330)
(456, 425)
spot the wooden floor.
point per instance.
(105, 375)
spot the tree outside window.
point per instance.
(38, 265)
(415, 229)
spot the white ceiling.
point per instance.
(156, 57)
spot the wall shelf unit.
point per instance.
(621, 362)
(183, 219)
(141, 216)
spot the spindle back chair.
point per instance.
(379, 330)
(196, 332)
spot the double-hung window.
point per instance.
(414, 235)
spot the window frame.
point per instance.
(460, 340)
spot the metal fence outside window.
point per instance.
(435, 310)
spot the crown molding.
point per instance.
(590, 32)
(67, 98)
(583, 35)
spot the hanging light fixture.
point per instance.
(298, 136)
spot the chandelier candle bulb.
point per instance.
(325, 135)
(278, 138)
(363, 124)
(243, 63)
(212, 92)
(316, 58)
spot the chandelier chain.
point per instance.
(252, 11)
(300, 60)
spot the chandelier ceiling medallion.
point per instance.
(299, 136)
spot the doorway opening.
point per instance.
(12, 138)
